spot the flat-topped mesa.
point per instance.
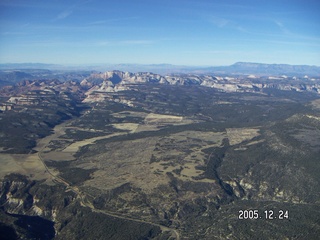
(119, 77)
(113, 81)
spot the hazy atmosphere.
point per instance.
(152, 32)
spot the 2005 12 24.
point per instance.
(267, 214)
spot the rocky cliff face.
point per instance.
(34, 210)
(26, 202)
(99, 85)
(20, 195)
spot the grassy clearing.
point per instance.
(124, 162)
(74, 147)
(316, 104)
(238, 135)
(131, 127)
(161, 117)
(25, 164)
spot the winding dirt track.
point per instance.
(83, 196)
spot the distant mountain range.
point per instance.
(267, 69)
(239, 68)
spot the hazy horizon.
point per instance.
(145, 64)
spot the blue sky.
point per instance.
(184, 32)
